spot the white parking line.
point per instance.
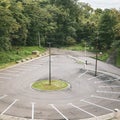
(9, 107)
(3, 96)
(108, 80)
(59, 112)
(112, 86)
(107, 92)
(97, 82)
(105, 98)
(33, 106)
(97, 105)
(73, 57)
(95, 77)
(83, 74)
(82, 110)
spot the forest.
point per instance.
(62, 22)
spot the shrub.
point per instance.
(70, 41)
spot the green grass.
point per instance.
(118, 60)
(55, 85)
(77, 47)
(103, 57)
(8, 58)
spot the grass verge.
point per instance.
(77, 47)
(44, 85)
(8, 58)
(118, 59)
(103, 57)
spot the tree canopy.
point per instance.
(63, 22)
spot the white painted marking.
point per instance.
(72, 57)
(112, 86)
(105, 98)
(83, 74)
(95, 77)
(75, 58)
(107, 92)
(106, 81)
(97, 82)
(82, 59)
(9, 107)
(59, 112)
(33, 106)
(3, 96)
(82, 110)
(97, 105)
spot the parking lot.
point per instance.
(88, 96)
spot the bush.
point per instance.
(118, 58)
(70, 41)
(5, 44)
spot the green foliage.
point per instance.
(17, 53)
(106, 32)
(70, 41)
(104, 56)
(5, 43)
(77, 47)
(118, 58)
(63, 22)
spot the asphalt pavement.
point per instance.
(88, 96)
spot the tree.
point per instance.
(8, 25)
(105, 28)
(19, 37)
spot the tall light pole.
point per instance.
(39, 40)
(49, 43)
(85, 63)
(96, 56)
(85, 55)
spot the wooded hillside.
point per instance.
(63, 22)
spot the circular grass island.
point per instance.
(45, 86)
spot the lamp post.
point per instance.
(96, 56)
(85, 55)
(49, 43)
(39, 40)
